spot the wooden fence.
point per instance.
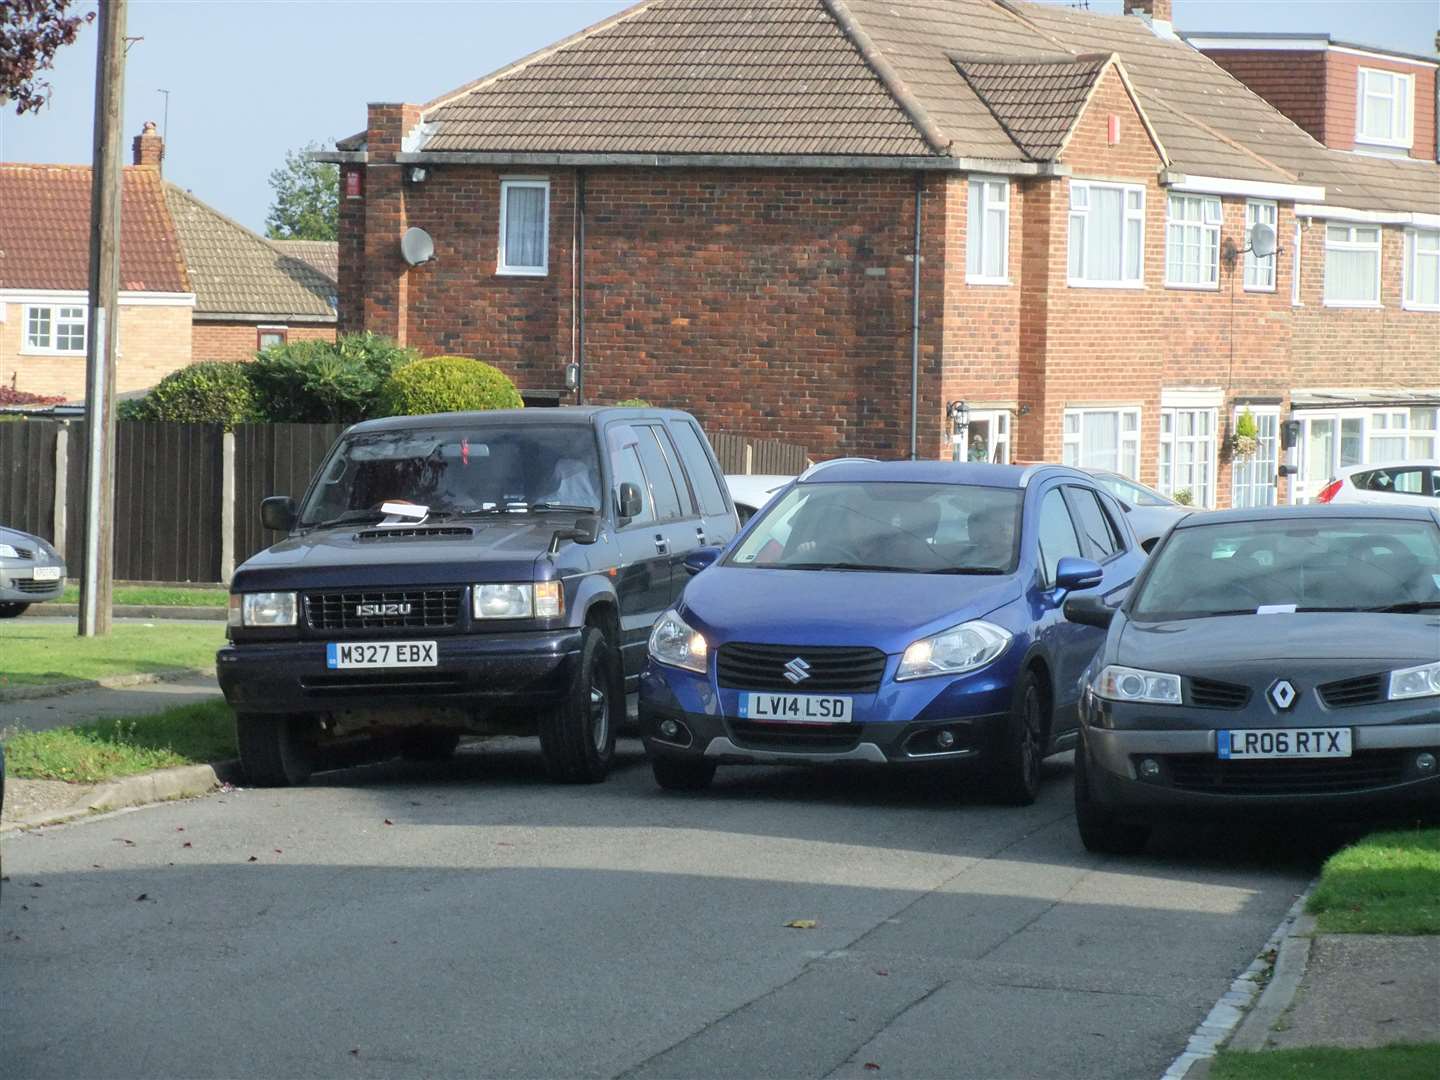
(188, 495)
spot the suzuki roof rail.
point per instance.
(813, 469)
(1034, 472)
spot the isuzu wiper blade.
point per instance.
(351, 517)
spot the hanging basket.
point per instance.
(1243, 446)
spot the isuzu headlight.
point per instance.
(955, 651)
(674, 642)
(518, 600)
(262, 609)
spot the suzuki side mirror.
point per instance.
(277, 513)
(630, 504)
(1074, 574)
(700, 558)
(1089, 611)
(586, 530)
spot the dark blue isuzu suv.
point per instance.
(890, 612)
(482, 573)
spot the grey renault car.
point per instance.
(30, 571)
(1278, 659)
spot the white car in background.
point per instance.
(1387, 484)
(750, 493)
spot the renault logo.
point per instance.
(1283, 694)
(797, 670)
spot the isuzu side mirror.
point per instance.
(277, 513)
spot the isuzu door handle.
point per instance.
(661, 544)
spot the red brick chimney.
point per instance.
(1158, 10)
(149, 147)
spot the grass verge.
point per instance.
(34, 654)
(1403, 1061)
(157, 596)
(107, 749)
(1388, 883)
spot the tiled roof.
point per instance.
(687, 76)
(321, 255)
(1037, 103)
(45, 231)
(878, 77)
(235, 272)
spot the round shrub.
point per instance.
(215, 392)
(633, 403)
(446, 384)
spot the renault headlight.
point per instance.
(955, 651)
(674, 642)
(1413, 682)
(1117, 683)
(262, 609)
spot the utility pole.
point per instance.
(106, 181)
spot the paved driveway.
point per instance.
(471, 919)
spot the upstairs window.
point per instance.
(55, 330)
(987, 232)
(1422, 269)
(1384, 109)
(1192, 241)
(1260, 273)
(1352, 265)
(524, 228)
(1107, 235)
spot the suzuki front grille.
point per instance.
(822, 669)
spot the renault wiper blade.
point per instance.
(1407, 607)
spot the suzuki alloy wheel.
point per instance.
(274, 749)
(577, 737)
(1100, 832)
(682, 774)
(1015, 774)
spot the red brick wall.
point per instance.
(1293, 82)
(1342, 95)
(237, 340)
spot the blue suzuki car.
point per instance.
(890, 612)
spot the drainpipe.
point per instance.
(577, 290)
(915, 329)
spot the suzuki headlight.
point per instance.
(1118, 683)
(8, 552)
(960, 649)
(673, 642)
(263, 609)
(1413, 682)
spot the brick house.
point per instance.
(194, 284)
(1348, 96)
(717, 205)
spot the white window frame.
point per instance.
(1257, 270)
(981, 191)
(1074, 441)
(1352, 244)
(999, 421)
(1127, 215)
(1413, 255)
(54, 319)
(1206, 229)
(1402, 108)
(1245, 473)
(1205, 445)
(1398, 422)
(501, 266)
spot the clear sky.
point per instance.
(249, 79)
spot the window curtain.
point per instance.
(1106, 229)
(1351, 275)
(1100, 439)
(525, 227)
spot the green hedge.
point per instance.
(446, 384)
(214, 392)
(325, 382)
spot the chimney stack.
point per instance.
(1154, 10)
(149, 147)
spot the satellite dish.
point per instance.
(416, 247)
(1262, 240)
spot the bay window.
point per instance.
(1187, 454)
(987, 232)
(524, 228)
(1107, 235)
(1103, 439)
(1260, 273)
(1192, 241)
(1422, 269)
(1352, 265)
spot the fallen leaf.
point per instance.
(279, 852)
(356, 1051)
(127, 843)
(881, 971)
(503, 843)
(142, 896)
(187, 844)
(802, 924)
(389, 822)
(252, 858)
(24, 907)
(36, 885)
(870, 1066)
(179, 828)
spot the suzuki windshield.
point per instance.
(888, 528)
(458, 471)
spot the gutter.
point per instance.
(265, 317)
(857, 162)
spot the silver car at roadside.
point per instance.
(30, 571)
(1150, 513)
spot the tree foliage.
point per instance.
(324, 381)
(31, 31)
(307, 198)
(446, 384)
